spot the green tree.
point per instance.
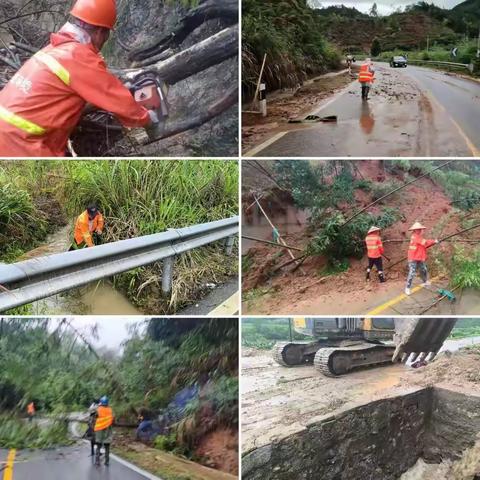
(376, 48)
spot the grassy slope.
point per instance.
(168, 466)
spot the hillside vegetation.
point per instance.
(55, 365)
(288, 33)
(137, 198)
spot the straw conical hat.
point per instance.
(373, 229)
(417, 226)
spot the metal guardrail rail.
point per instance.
(30, 280)
(443, 64)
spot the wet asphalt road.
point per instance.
(69, 463)
(413, 112)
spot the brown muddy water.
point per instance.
(99, 298)
(254, 224)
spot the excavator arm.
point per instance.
(419, 338)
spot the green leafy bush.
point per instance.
(339, 242)
(167, 443)
(17, 433)
(466, 268)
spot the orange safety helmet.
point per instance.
(101, 13)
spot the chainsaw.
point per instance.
(151, 92)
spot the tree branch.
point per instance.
(208, 9)
(227, 101)
(202, 55)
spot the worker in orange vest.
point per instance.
(417, 255)
(366, 77)
(374, 252)
(89, 223)
(44, 101)
(103, 429)
(31, 411)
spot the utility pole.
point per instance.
(478, 43)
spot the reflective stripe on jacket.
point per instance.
(374, 246)
(417, 250)
(365, 75)
(104, 418)
(43, 102)
(84, 227)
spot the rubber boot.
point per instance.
(363, 92)
(107, 454)
(368, 274)
(97, 455)
(367, 91)
(92, 449)
(381, 276)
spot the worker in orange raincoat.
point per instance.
(43, 102)
(103, 429)
(88, 223)
(374, 252)
(366, 77)
(417, 255)
(30, 411)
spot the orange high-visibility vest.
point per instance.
(31, 408)
(43, 102)
(417, 250)
(104, 418)
(365, 75)
(83, 229)
(374, 246)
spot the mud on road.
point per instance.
(278, 401)
(401, 118)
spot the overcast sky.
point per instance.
(112, 331)
(384, 6)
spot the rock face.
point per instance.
(140, 23)
(381, 439)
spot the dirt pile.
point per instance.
(289, 104)
(460, 368)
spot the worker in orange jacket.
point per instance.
(88, 223)
(375, 250)
(103, 429)
(366, 77)
(417, 255)
(31, 411)
(43, 102)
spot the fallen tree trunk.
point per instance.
(202, 55)
(208, 9)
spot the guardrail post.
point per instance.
(229, 245)
(167, 275)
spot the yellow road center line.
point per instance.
(267, 143)
(396, 300)
(228, 307)
(470, 145)
(475, 151)
(8, 472)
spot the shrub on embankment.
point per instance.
(137, 197)
(290, 35)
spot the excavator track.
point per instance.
(290, 354)
(336, 361)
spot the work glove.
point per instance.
(153, 118)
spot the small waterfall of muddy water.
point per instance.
(99, 298)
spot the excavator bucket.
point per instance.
(420, 338)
